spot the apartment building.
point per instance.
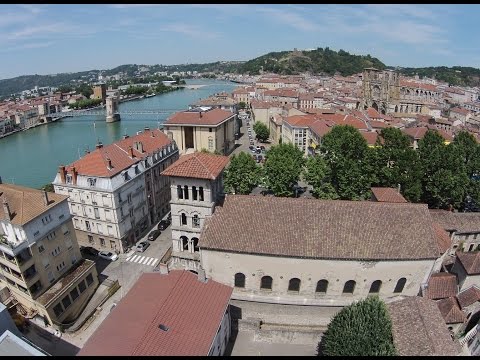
(40, 261)
(202, 128)
(116, 193)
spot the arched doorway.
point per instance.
(375, 106)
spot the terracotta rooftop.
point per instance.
(460, 111)
(419, 132)
(418, 85)
(456, 221)
(328, 229)
(441, 285)
(25, 204)
(443, 238)
(419, 328)
(370, 137)
(212, 117)
(468, 296)
(385, 194)
(197, 165)
(192, 311)
(96, 162)
(451, 311)
(470, 261)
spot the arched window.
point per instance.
(179, 192)
(195, 244)
(266, 283)
(239, 280)
(185, 192)
(322, 286)
(184, 219)
(400, 285)
(294, 284)
(184, 242)
(200, 193)
(349, 287)
(375, 287)
(194, 193)
(195, 221)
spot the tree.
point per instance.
(283, 166)
(242, 105)
(242, 175)
(262, 132)
(317, 174)
(349, 158)
(363, 328)
(395, 162)
(48, 187)
(444, 174)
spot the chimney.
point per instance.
(6, 209)
(130, 152)
(146, 128)
(201, 275)
(201, 114)
(99, 145)
(140, 146)
(74, 175)
(61, 170)
(125, 136)
(153, 135)
(0, 179)
(164, 268)
(87, 151)
(109, 162)
(45, 197)
(398, 188)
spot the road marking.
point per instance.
(132, 258)
(140, 258)
(144, 261)
(150, 261)
(155, 262)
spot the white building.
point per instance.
(116, 192)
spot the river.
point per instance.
(31, 158)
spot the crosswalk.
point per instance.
(144, 260)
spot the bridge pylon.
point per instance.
(112, 109)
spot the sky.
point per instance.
(48, 39)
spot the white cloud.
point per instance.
(189, 30)
(289, 18)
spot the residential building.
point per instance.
(460, 114)
(467, 269)
(40, 260)
(172, 314)
(384, 194)
(116, 192)
(415, 134)
(217, 102)
(14, 345)
(202, 128)
(100, 92)
(419, 330)
(196, 187)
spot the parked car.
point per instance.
(251, 147)
(108, 255)
(259, 151)
(142, 246)
(153, 235)
(88, 250)
(262, 147)
(260, 158)
(162, 225)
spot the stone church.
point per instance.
(295, 260)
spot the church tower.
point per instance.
(196, 182)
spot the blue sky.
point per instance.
(48, 39)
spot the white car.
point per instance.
(108, 255)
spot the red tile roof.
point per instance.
(96, 162)
(341, 230)
(370, 136)
(385, 194)
(414, 84)
(460, 111)
(25, 204)
(443, 238)
(419, 328)
(468, 296)
(451, 311)
(198, 165)
(192, 311)
(470, 261)
(419, 133)
(373, 114)
(212, 117)
(441, 285)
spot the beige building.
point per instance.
(100, 92)
(314, 252)
(41, 264)
(116, 193)
(202, 128)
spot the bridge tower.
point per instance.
(112, 109)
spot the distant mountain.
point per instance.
(315, 61)
(456, 75)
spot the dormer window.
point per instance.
(137, 170)
(125, 176)
(92, 181)
(68, 179)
